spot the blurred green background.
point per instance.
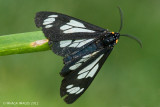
(130, 76)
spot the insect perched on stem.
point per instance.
(84, 46)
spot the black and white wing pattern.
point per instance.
(66, 34)
(57, 27)
(78, 80)
(66, 47)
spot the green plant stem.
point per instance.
(23, 43)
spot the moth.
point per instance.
(84, 47)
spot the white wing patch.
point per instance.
(74, 43)
(84, 59)
(93, 71)
(90, 70)
(74, 27)
(79, 43)
(69, 86)
(48, 22)
(75, 23)
(83, 75)
(84, 42)
(53, 16)
(48, 26)
(74, 90)
(65, 27)
(65, 43)
(75, 30)
(75, 66)
(80, 90)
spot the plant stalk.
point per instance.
(23, 43)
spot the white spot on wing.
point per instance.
(48, 22)
(79, 43)
(84, 42)
(89, 40)
(73, 90)
(80, 90)
(76, 23)
(75, 30)
(48, 26)
(82, 60)
(90, 55)
(74, 45)
(90, 66)
(93, 71)
(83, 75)
(65, 43)
(69, 86)
(79, 63)
(79, 40)
(86, 56)
(75, 26)
(75, 66)
(53, 16)
(64, 27)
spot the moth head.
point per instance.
(115, 35)
(111, 39)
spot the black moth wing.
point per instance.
(66, 34)
(57, 27)
(76, 82)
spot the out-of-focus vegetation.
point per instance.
(130, 76)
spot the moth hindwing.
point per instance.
(78, 80)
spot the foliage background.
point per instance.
(130, 76)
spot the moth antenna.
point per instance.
(121, 16)
(135, 38)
